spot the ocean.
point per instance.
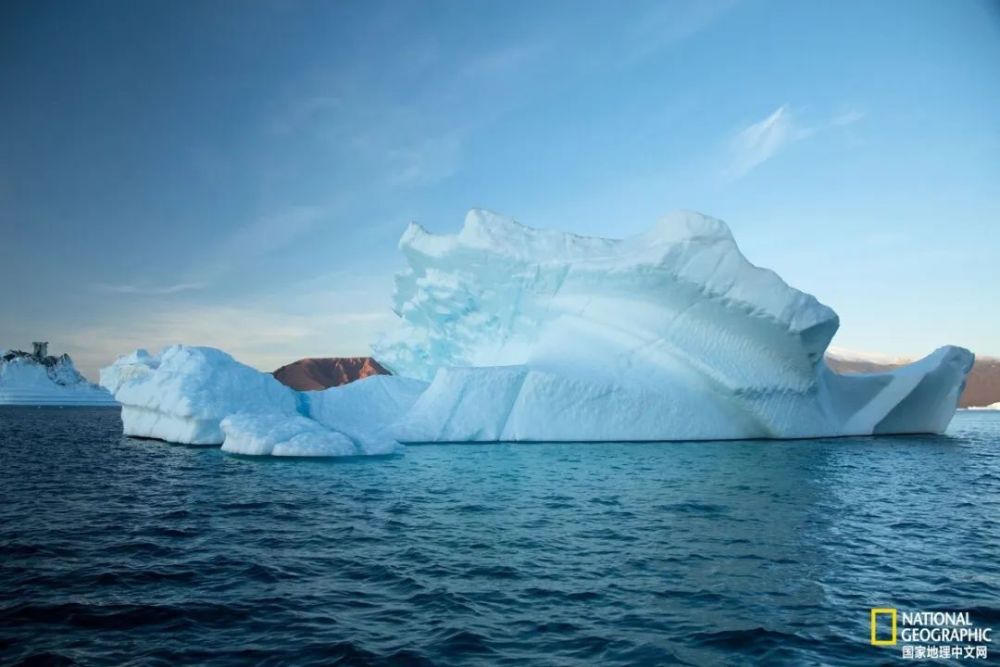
(121, 551)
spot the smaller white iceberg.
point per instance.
(202, 396)
(183, 394)
(40, 379)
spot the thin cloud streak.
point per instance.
(146, 290)
(261, 237)
(269, 233)
(670, 23)
(759, 142)
(847, 118)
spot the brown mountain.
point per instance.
(323, 372)
(981, 388)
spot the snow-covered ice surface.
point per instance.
(355, 419)
(25, 380)
(202, 396)
(367, 410)
(276, 434)
(531, 335)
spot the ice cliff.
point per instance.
(508, 333)
(41, 379)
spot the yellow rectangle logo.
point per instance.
(883, 612)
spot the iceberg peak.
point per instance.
(674, 319)
(501, 293)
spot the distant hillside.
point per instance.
(316, 373)
(982, 387)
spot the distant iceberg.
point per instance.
(40, 379)
(512, 334)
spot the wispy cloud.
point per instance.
(411, 140)
(511, 59)
(848, 117)
(426, 162)
(668, 23)
(759, 142)
(299, 112)
(147, 290)
(260, 237)
(271, 232)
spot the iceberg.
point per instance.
(183, 394)
(508, 333)
(40, 379)
(535, 335)
(202, 396)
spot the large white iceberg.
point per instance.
(514, 334)
(202, 396)
(40, 379)
(530, 335)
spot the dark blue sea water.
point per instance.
(120, 551)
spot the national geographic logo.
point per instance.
(930, 635)
(884, 612)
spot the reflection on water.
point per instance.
(114, 549)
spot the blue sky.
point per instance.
(238, 174)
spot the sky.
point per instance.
(238, 174)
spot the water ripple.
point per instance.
(122, 551)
